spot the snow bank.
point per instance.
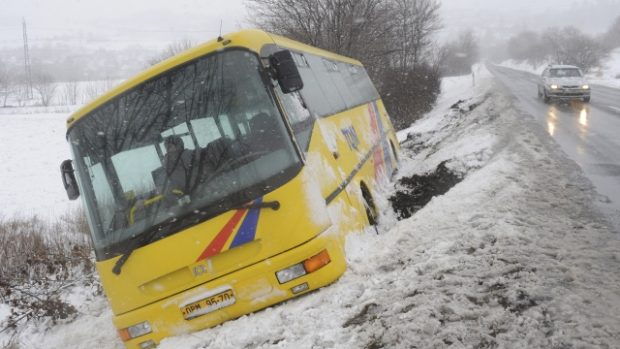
(513, 256)
(609, 74)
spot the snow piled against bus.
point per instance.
(514, 255)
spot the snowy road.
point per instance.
(606, 97)
(588, 133)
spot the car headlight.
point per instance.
(585, 87)
(554, 87)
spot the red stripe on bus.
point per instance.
(220, 239)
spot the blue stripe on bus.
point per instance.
(247, 231)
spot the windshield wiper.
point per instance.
(274, 205)
(149, 236)
(142, 240)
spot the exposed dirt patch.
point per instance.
(375, 343)
(416, 191)
(368, 313)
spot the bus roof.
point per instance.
(251, 39)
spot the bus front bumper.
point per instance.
(252, 288)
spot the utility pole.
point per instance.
(27, 65)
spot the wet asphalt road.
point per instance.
(589, 133)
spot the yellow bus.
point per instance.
(223, 180)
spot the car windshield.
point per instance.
(180, 149)
(564, 73)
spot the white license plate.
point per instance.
(208, 305)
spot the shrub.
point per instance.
(38, 259)
(409, 95)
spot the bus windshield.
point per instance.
(178, 149)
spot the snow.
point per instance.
(514, 256)
(315, 202)
(5, 311)
(609, 75)
(92, 329)
(524, 66)
(33, 146)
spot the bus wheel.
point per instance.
(369, 205)
(394, 152)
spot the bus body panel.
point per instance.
(178, 262)
(254, 288)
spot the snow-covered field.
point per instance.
(514, 256)
(609, 74)
(32, 146)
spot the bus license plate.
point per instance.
(208, 305)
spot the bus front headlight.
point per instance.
(291, 273)
(308, 266)
(134, 331)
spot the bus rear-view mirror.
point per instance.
(285, 71)
(68, 180)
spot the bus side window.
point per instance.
(299, 116)
(313, 94)
(323, 70)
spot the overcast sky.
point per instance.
(144, 22)
(131, 21)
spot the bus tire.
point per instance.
(395, 154)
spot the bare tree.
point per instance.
(171, 50)
(93, 90)
(612, 37)
(527, 46)
(360, 29)
(461, 54)
(70, 92)
(377, 32)
(45, 86)
(415, 22)
(410, 94)
(7, 84)
(393, 38)
(570, 46)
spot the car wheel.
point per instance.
(586, 99)
(539, 93)
(545, 97)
